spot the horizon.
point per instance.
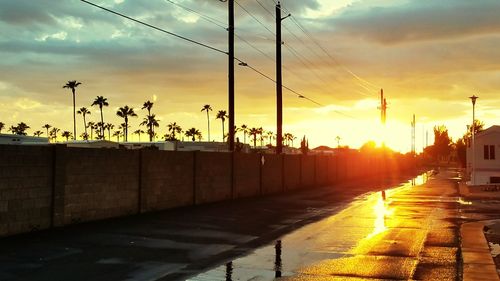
(428, 57)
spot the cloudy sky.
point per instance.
(428, 56)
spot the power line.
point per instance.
(264, 7)
(205, 17)
(254, 17)
(156, 28)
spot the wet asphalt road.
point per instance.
(412, 235)
(318, 234)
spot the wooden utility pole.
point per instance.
(279, 82)
(413, 125)
(231, 73)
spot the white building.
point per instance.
(19, 139)
(486, 161)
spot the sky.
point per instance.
(428, 56)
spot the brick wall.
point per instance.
(212, 176)
(25, 188)
(291, 171)
(272, 174)
(246, 175)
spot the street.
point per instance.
(316, 234)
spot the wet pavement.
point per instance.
(346, 233)
(412, 235)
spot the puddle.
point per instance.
(495, 249)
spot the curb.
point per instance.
(477, 261)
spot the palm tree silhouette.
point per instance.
(222, 115)
(244, 128)
(84, 136)
(138, 132)
(20, 129)
(47, 127)
(66, 134)
(148, 105)
(53, 133)
(92, 127)
(101, 101)
(125, 112)
(84, 111)
(174, 128)
(150, 122)
(270, 136)
(207, 108)
(72, 85)
(254, 132)
(109, 127)
(117, 134)
(193, 133)
(99, 126)
(2, 126)
(37, 133)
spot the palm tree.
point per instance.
(99, 126)
(101, 101)
(150, 122)
(37, 133)
(123, 127)
(117, 134)
(2, 126)
(84, 136)
(20, 129)
(244, 129)
(109, 127)
(72, 85)
(174, 128)
(222, 115)
(84, 111)
(254, 132)
(148, 105)
(207, 108)
(138, 132)
(91, 125)
(53, 133)
(261, 133)
(66, 134)
(125, 112)
(270, 136)
(47, 127)
(193, 133)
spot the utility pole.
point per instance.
(413, 125)
(279, 82)
(383, 109)
(231, 73)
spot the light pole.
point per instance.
(473, 170)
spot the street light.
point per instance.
(473, 126)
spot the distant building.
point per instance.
(487, 162)
(19, 139)
(183, 145)
(92, 144)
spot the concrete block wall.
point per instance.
(45, 186)
(272, 174)
(291, 171)
(213, 178)
(25, 188)
(99, 184)
(246, 178)
(167, 179)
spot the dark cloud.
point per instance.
(419, 20)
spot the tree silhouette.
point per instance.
(66, 134)
(174, 129)
(139, 132)
(150, 122)
(37, 133)
(222, 115)
(101, 102)
(84, 136)
(270, 136)
(92, 127)
(53, 133)
(125, 112)
(244, 128)
(109, 127)
(20, 129)
(148, 105)
(72, 85)
(117, 134)
(2, 126)
(47, 127)
(84, 111)
(254, 132)
(207, 108)
(193, 133)
(99, 126)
